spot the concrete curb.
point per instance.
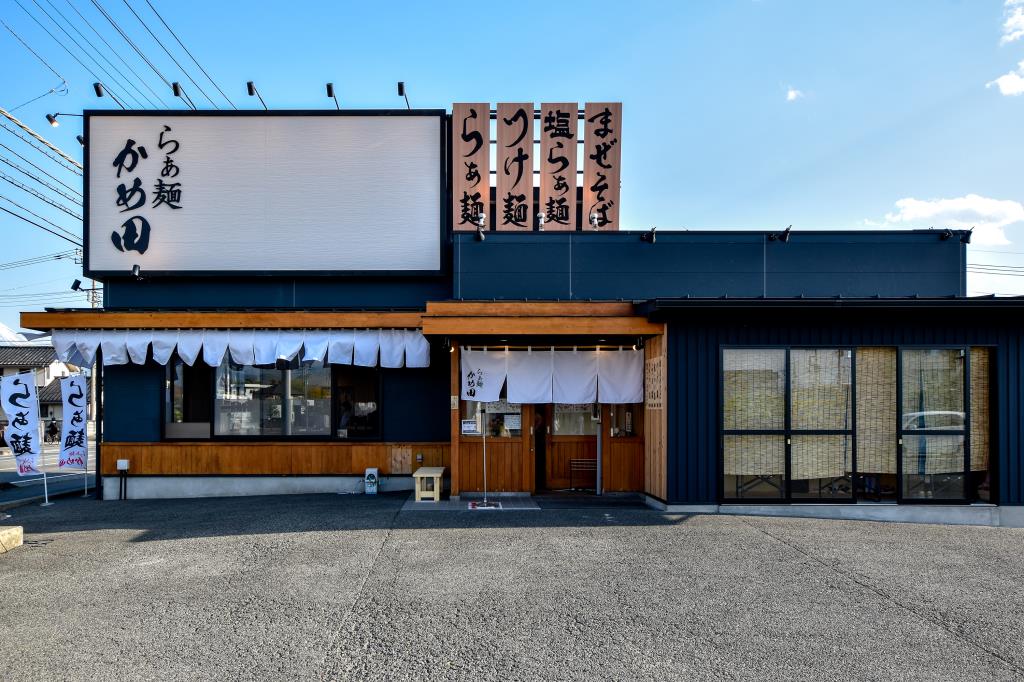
(13, 504)
(11, 537)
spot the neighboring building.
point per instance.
(315, 305)
(42, 361)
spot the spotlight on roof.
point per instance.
(52, 120)
(781, 236)
(946, 234)
(98, 89)
(541, 219)
(176, 88)
(480, 236)
(965, 237)
(401, 93)
(76, 285)
(250, 87)
(330, 93)
(81, 140)
(136, 271)
(648, 236)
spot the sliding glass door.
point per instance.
(846, 424)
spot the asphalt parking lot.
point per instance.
(336, 587)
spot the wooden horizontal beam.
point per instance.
(541, 326)
(105, 319)
(530, 309)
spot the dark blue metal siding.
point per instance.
(694, 385)
(617, 265)
(279, 293)
(132, 396)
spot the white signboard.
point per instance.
(211, 194)
(74, 448)
(21, 406)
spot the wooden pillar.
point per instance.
(455, 415)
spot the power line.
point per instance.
(119, 57)
(49, 175)
(122, 80)
(39, 138)
(39, 195)
(44, 183)
(45, 153)
(62, 88)
(112, 77)
(180, 67)
(66, 231)
(35, 260)
(171, 31)
(129, 41)
(41, 227)
(56, 40)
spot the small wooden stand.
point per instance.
(436, 476)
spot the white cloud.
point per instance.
(1013, 24)
(988, 216)
(1011, 83)
(792, 94)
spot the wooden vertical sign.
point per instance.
(558, 130)
(514, 198)
(471, 180)
(602, 154)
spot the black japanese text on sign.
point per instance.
(471, 180)
(137, 175)
(602, 154)
(558, 142)
(514, 196)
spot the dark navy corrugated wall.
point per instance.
(696, 337)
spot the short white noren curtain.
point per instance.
(549, 376)
(393, 347)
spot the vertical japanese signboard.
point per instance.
(602, 154)
(74, 452)
(514, 198)
(144, 187)
(21, 406)
(558, 130)
(471, 181)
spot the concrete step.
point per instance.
(10, 537)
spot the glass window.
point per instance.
(933, 390)
(187, 405)
(821, 467)
(504, 419)
(877, 436)
(933, 467)
(358, 401)
(293, 400)
(626, 420)
(576, 420)
(755, 389)
(819, 382)
(754, 466)
(981, 391)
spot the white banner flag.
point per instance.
(21, 405)
(74, 448)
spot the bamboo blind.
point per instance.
(821, 457)
(876, 410)
(820, 389)
(754, 455)
(755, 389)
(980, 416)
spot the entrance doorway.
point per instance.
(566, 447)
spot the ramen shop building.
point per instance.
(292, 297)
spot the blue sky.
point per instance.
(743, 114)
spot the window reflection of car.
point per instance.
(934, 420)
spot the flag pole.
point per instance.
(46, 492)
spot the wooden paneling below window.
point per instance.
(272, 459)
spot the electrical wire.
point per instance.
(39, 195)
(171, 31)
(113, 79)
(59, 89)
(119, 57)
(36, 260)
(129, 41)
(124, 82)
(187, 75)
(44, 183)
(66, 231)
(56, 40)
(41, 227)
(49, 175)
(45, 153)
(36, 136)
